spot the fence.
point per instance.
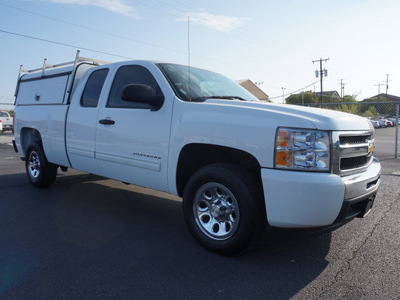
(385, 118)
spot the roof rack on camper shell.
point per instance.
(74, 63)
(58, 70)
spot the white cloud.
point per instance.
(216, 22)
(116, 6)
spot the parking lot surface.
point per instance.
(87, 237)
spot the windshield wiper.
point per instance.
(195, 99)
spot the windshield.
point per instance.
(203, 84)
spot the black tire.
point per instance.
(40, 172)
(223, 208)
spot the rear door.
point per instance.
(82, 121)
(132, 140)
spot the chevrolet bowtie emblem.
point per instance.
(370, 149)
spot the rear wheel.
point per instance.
(223, 208)
(40, 172)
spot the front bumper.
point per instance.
(306, 200)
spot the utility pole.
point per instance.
(342, 84)
(387, 86)
(322, 73)
(379, 90)
(283, 95)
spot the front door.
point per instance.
(131, 139)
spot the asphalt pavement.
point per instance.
(88, 237)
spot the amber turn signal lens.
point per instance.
(282, 139)
(281, 158)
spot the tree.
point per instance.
(371, 112)
(302, 98)
(349, 99)
(349, 108)
(380, 108)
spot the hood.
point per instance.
(322, 119)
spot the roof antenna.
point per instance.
(188, 39)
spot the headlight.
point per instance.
(299, 149)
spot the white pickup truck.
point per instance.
(240, 165)
(7, 121)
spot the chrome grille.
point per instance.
(351, 140)
(352, 151)
(349, 163)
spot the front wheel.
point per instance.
(223, 208)
(40, 172)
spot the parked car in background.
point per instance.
(393, 120)
(7, 121)
(381, 122)
(376, 124)
(388, 123)
(1, 127)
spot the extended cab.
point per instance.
(240, 165)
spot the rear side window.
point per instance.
(131, 75)
(91, 94)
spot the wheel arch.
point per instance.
(29, 136)
(195, 156)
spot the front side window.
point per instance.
(91, 94)
(128, 75)
(193, 84)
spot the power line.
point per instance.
(294, 92)
(112, 34)
(243, 33)
(62, 44)
(92, 29)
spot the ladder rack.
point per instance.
(46, 66)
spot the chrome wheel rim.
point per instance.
(216, 211)
(34, 165)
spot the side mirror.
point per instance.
(142, 93)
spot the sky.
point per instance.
(271, 42)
